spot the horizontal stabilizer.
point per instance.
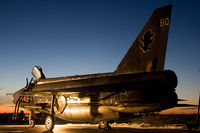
(186, 105)
(182, 100)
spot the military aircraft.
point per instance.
(138, 85)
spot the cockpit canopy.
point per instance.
(38, 72)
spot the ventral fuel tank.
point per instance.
(88, 113)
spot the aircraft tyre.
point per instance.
(49, 122)
(104, 125)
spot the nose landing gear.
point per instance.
(49, 122)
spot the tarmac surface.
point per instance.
(88, 129)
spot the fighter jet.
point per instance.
(138, 85)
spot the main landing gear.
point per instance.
(48, 119)
(104, 125)
(42, 118)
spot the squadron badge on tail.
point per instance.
(147, 41)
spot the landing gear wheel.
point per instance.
(49, 122)
(104, 125)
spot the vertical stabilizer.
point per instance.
(147, 53)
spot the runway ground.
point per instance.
(88, 129)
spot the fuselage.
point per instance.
(96, 97)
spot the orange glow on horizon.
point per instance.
(7, 109)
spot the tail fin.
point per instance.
(147, 53)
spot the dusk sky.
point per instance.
(91, 36)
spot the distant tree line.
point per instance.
(6, 118)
